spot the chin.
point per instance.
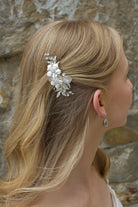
(123, 123)
(120, 123)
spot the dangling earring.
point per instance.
(105, 122)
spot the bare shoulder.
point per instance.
(75, 199)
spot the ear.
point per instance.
(98, 103)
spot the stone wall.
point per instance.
(19, 19)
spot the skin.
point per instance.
(120, 95)
(85, 183)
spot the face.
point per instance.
(119, 95)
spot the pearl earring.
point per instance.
(105, 123)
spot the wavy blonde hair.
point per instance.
(48, 133)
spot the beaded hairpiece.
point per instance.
(60, 81)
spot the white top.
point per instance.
(116, 202)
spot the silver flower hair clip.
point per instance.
(59, 80)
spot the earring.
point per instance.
(105, 123)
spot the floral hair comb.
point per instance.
(60, 81)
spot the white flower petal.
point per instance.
(58, 94)
(49, 67)
(54, 76)
(57, 86)
(55, 66)
(49, 73)
(60, 81)
(58, 71)
(52, 83)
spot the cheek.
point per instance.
(119, 105)
(124, 101)
(123, 94)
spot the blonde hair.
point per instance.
(48, 133)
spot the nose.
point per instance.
(131, 85)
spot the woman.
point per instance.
(73, 88)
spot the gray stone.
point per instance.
(3, 167)
(117, 136)
(127, 192)
(9, 68)
(132, 121)
(124, 165)
(133, 205)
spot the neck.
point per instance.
(83, 170)
(78, 183)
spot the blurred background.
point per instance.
(19, 19)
